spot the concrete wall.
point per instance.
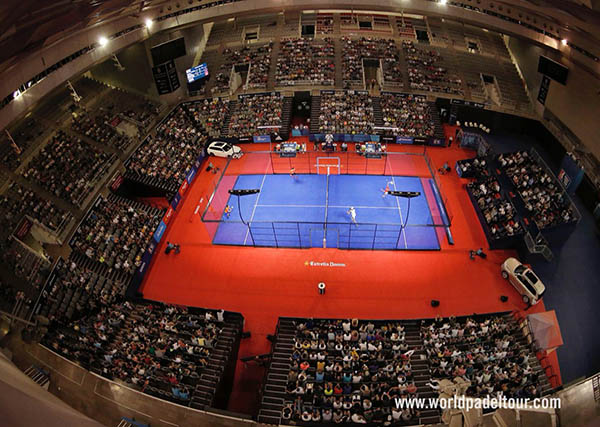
(576, 104)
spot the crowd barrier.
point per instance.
(339, 137)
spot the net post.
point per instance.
(251, 235)
(399, 236)
(274, 234)
(374, 236)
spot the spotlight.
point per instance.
(16, 94)
(103, 41)
(564, 42)
(149, 23)
(443, 1)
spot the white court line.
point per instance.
(120, 404)
(166, 422)
(403, 230)
(323, 206)
(254, 209)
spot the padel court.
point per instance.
(313, 211)
(311, 206)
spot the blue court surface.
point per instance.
(312, 211)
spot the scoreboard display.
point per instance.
(196, 73)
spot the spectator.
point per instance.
(255, 113)
(306, 62)
(68, 168)
(341, 113)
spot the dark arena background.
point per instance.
(233, 212)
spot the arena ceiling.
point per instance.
(28, 25)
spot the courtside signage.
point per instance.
(324, 264)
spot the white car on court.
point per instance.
(224, 149)
(524, 280)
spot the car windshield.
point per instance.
(226, 147)
(520, 269)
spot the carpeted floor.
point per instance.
(264, 283)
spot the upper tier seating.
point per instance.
(306, 62)
(427, 70)
(355, 50)
(68, 168)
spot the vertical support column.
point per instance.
(274, 234)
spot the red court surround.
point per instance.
(265, 283)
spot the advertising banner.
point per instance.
(262, 138)
(191, 174)
(160, 230)
(404, 140)
(175, 201)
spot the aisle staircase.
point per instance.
(232, 110)
(526, 342)
(420, 371)
(286, 117)
(213, 377)
(377, 113)
(40, 376)
(274, 392)
(315, 112)
(439, 128)
(339, 80)
(273, 65)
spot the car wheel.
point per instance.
(505, 274)
(525, 299)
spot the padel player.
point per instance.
(352, 213)
(386, 190)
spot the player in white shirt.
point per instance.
(352, 213)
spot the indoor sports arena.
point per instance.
(238, 213)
